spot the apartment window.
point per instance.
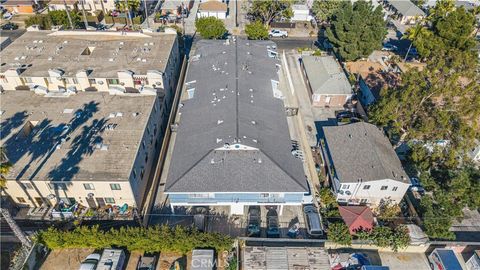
(26, 185)
(113, 81)
(2, 77)
(115, 186)
(345, 186)
(59, 186)
(134, 173)
(146, 158)
(28, 80)
(21, 200)
(363, 201)
(201, 195)
(109, 200)
(142, 173)
(143, 145)
(366, 187)
(264, 195)
(92, 81)
(89, 186)
(384, 188)
(394, 188)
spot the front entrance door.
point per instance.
(91, 203)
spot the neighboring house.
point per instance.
(71, 61)
(301, 13)
(91, 148)
(62, 4)
(231, 143)
(91, 117)
(175, 7)
(406, 11)
(90, 5)
(357, 218)
(19, 6)
(328, 84)
(213, 8)
(362, 165)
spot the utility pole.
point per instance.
(68, 14)
(127, 10)
(146, 13)
(16, 230)
(84, 16)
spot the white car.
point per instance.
(278, 33)
(7, 16)
(90, 263)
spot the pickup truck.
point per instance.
(277, 33)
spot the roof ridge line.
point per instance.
(189, 169)
(376, 150)
(278, 165)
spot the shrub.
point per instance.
(210, 28)
(256, 30)
(151, 239)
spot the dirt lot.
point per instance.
(133, 260)
(168, 258)
(66, 258)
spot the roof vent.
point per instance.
(219, 140)
(255, 140)
(226, 145)
(253, 122)
(219, 122)
(212, 161)
(350, 136)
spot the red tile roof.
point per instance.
(357, 217)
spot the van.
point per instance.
(203, 259)
(444, 259)
(313, 221)
(112, 259)
(90, 262)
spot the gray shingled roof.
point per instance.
(326, 76)
(362, 151)
(406, 8)
(239, 112)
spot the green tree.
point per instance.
(59, 17)
(5, 167)
(324, 9)
(356, 30)
(328, 203)
(269, 10)
(395, 239)
(256, 30)
(338, 233)
(210, 27)
(132, 5)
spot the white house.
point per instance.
(301, 13)
(213, 8)
(362, 165)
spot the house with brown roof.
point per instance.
(213, 8)
(357, 218)
(19, 6)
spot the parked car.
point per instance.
(345, 117)
(10, 26)
(415, 185)
(7, 16)
(313, 221)
(254, 221)
(101, 27)
(389, 47)
(112, 259)
(90, 263)
(444, 259)
(147, 263)
(278, 33)
(273, 230)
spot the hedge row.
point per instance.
(151, 239)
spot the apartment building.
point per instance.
(67, 62)
(362, 165)
(231, 144)
(82, 118)
(89, 5)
